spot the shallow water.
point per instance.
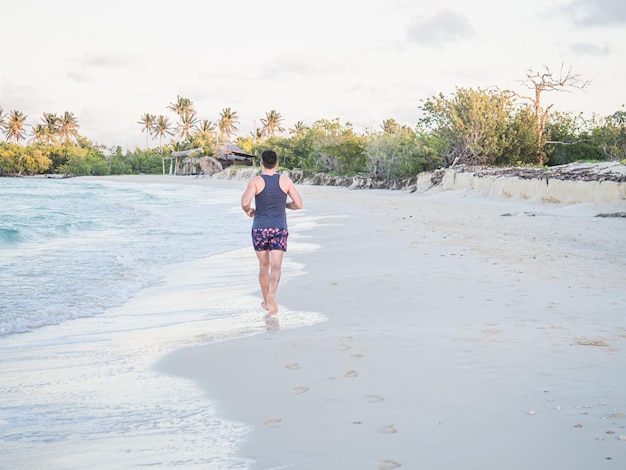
(71, 248)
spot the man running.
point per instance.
(269, 227)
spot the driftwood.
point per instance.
(572, 172)
(565, 172)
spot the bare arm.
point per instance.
(246, 198)
(296, 199)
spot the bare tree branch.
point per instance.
(540, 82)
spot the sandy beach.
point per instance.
(463, 331)
(473, 324)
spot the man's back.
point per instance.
(270, 204)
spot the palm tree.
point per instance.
(183, 107)
(205, 126)
(2, 116)
(271, 123)
(186, 126)
(228, 123)
(52, 124)
(204, 132)
(40, 134)
(298, 129)
(161, 128)
(147, 121)
(68, 127)
(13, 127)
(257, 133)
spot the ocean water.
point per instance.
(98, 280)
(71, 248)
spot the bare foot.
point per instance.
(264, 306)
(271, 323)
(272, 305)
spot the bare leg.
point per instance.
(276, 261)
(264, 276)
(270, 263)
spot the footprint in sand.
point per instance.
(300, 390)
(272, 423)
(591, 342)
(387, 429)
(492, 331)
(351, 373)
(374, 398)
(388, 465)
(342, 343)
(356, 356)
(292, 366)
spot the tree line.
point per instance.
(487, 127)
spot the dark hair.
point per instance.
(269, 158)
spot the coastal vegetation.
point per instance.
(486, 127)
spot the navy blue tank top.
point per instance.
(270, 205)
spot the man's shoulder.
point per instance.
(285, 181)
(284, 177)
(258, 183)
(256, 179)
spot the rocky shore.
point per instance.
(575, 183)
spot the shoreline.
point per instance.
(485, 325)
(573, 183)
(120, 402)
(598, 183)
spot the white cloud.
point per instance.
(593, 13)
(590, 49)
(304, 64)
(108, 60)
(443, 27)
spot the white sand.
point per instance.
(457, 338)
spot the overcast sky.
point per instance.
(362, 61)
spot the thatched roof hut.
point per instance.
(230, 154)
(173, 158)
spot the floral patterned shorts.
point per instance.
(270, 239)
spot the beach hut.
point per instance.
(230, 154)
(173, 158)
